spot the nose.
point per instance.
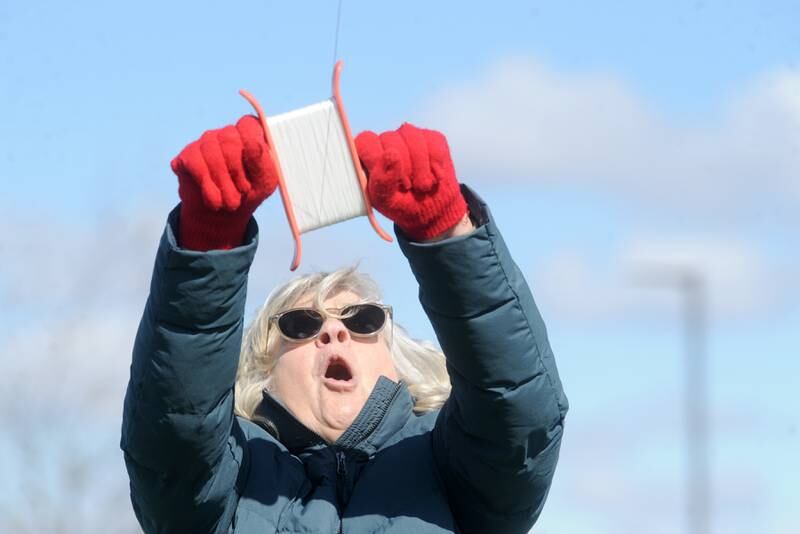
(333, 329)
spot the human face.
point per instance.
(325, 382)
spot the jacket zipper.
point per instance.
(341, 482)
(341, 459)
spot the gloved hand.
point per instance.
(222, 178)
(412, 181)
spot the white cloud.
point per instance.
(76, 295)
(635, 280)
(522, 120)
(60, 267)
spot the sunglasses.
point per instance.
(305, 324)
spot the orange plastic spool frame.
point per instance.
(287, 201)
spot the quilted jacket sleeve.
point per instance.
(497, 438)
(183, 448)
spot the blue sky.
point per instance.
(604, 136)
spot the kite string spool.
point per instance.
(323, 208)
(317, 165)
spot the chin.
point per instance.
(343, 412)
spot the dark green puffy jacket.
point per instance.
(483, 463)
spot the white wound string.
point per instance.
(317, 166)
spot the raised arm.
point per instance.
(497, 438)
(183, 447)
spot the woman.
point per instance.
(344, 423)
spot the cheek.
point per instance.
(383, 364)
(293, 367)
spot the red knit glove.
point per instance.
(411, 180)
(223, 177)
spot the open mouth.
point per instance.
(339, 375)
(338, 370)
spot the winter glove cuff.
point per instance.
(211, 231)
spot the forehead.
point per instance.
(336, 300)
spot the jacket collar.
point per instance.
(386, 411)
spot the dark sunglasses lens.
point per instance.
(364, 318)
(300, 324)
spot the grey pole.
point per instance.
(691, 285)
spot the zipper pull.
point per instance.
(341, 478)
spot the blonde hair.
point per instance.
(419, 363)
